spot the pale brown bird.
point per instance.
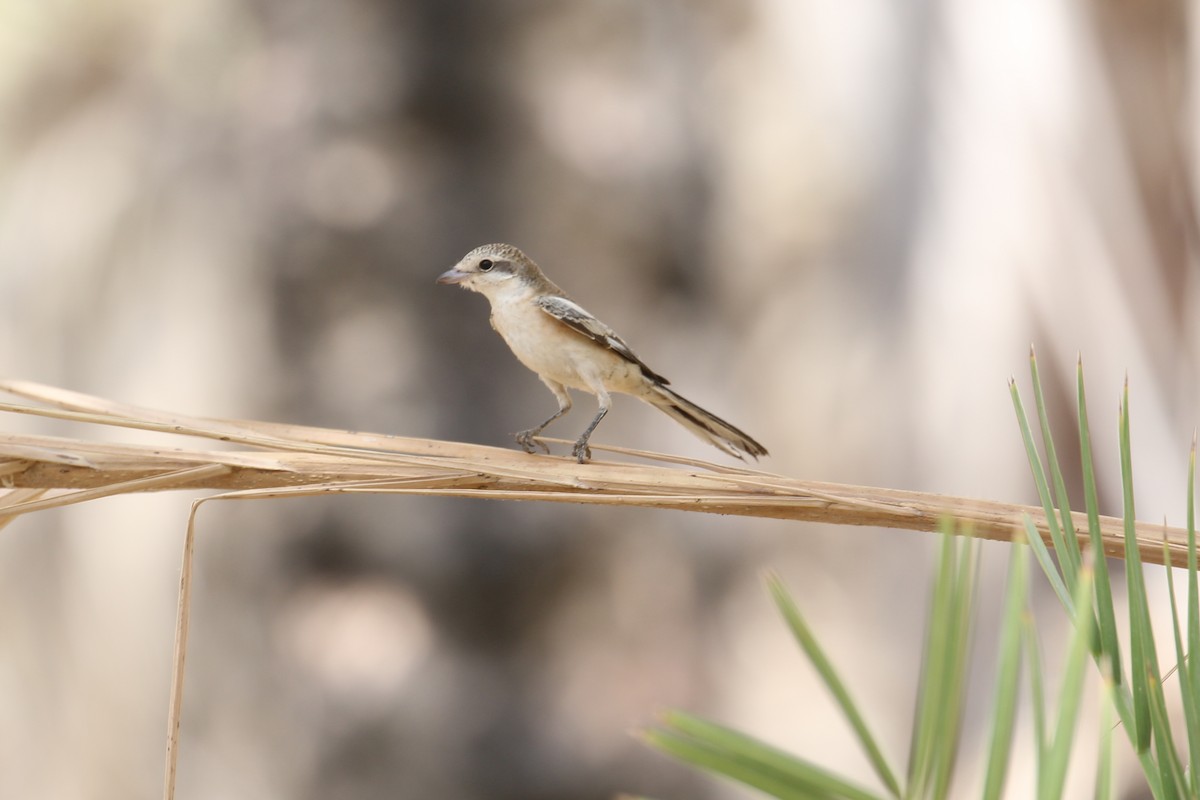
(569, 348)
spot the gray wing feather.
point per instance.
(571, 314)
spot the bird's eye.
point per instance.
(486, 265)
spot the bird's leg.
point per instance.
(581, 451)
(526, 438)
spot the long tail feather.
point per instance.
(706, 425)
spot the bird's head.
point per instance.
(492, 268)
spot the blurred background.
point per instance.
(839, 225)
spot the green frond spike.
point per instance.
(1039, 475)
(931, 679)
(1169, 767)
(960, 640)
(1068, 549)
(1054, 767)
(1037, 693)
(1105, 609)
(1141, 650)
(1104, 761)
(727, 752)
(1008, 673)
(1191, 713)
(1042, 556)
(808, 643)
(943, 672)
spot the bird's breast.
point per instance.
(554, 351)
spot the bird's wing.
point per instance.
(575, 317)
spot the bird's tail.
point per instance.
(707, 426)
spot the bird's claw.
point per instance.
(582, 452)
(529, 444)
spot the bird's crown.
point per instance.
(498, 251)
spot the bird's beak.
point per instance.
(452, 276)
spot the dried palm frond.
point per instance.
(293, 460)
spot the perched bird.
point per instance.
(568, 348)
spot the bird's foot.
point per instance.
(530, 444)
(581, 451)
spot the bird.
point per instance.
(569, 348)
